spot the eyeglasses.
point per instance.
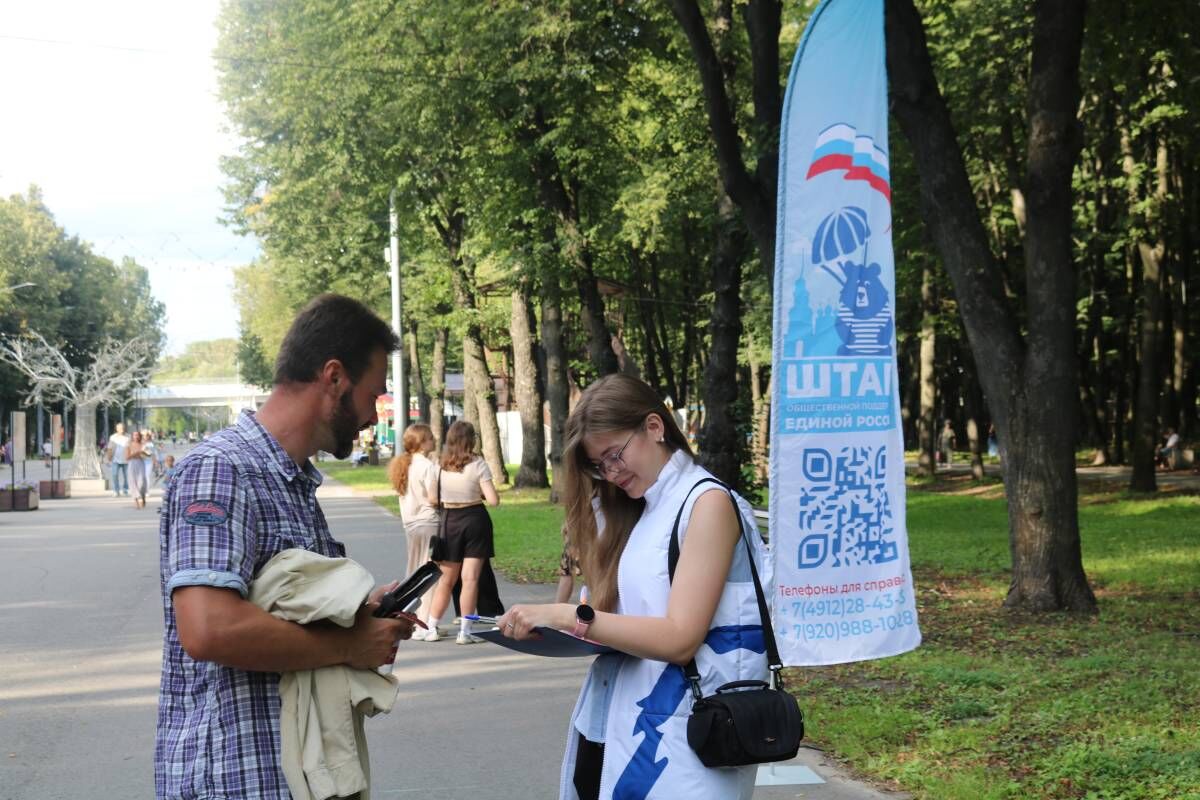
(613, 462)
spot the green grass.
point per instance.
(1000, 705)
(364, 478)
(1127, 543)
(528, 535)
(995, 705)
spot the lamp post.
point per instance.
(400, 388)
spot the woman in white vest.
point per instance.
(628, 473)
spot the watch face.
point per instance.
(585, 613)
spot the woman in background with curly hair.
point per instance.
(412, 475)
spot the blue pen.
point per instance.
(477, 618)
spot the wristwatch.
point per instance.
(584, 615)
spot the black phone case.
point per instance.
(409, 592)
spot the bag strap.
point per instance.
(439, 489)
(773, 661)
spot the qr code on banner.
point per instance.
(845, 513)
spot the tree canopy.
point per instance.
(606, 170)
(78, 299)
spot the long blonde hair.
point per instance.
(615, 403)
(414, 441)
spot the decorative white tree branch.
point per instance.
(115, 368)
(51, 376)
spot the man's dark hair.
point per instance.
(331, 326)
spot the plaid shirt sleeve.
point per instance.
(211, 540)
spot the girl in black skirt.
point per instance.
(464, 485)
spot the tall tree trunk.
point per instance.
(86, 459)
(1094, 421)
(1179, 357)
(402, 391)
(722, 450)
(1097, 386)
(1183, 266)
(685, 384)
(1030, 383)
(557, 389)
(1145, 407)
(927, 419)
(1150, 371)
(561, 197)
(1093, 388)
(415, 374)
(753, 193)
(626, 363)
(471, 398)
(761, 404)
(591, 306)
(479, 392)
(505, 397)
(678, 394)
(528, 389)
(437, 407)
(1128, 377)
(651, 346)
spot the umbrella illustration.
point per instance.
(838, 236)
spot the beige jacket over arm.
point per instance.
(324, 747)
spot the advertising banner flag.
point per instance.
(843, 586)
(16, 432)
(56, 435)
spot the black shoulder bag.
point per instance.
(745, 722)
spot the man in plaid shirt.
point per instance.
(236, 500)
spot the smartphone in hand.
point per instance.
(407, 596)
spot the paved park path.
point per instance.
(81, 627)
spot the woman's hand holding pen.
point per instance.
(519, 621)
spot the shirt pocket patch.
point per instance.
(206, 512)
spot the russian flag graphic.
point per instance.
(840, 147)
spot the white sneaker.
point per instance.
(430, 635)
(466, 638)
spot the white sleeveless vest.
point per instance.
(646, 754)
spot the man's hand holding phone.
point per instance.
(373, 640)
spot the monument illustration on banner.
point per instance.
(839, 304)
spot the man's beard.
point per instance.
(345, 427)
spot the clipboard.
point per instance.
(552, 644)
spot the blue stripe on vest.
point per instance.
(736, 637)
(642, 771)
